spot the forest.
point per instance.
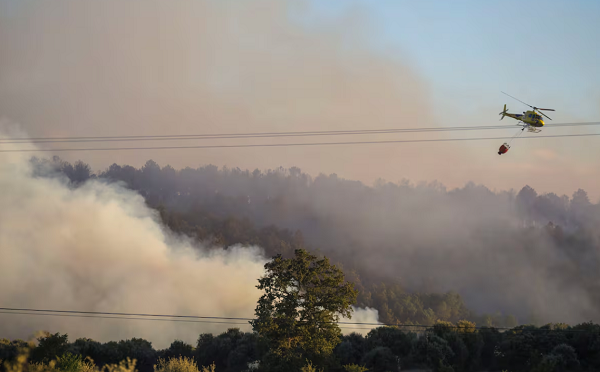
(296, 329)
(401, 244)
(432, 262)
(553, 347)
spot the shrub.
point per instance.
(355, 368)
(180, 364)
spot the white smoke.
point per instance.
(368, 316)
(100, 248)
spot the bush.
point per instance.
(74, 363)
(381, 359)
(180, 364)
(355, 368)
(65, 363)
(49, 346)
(309, 367)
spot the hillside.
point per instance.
(417, 253)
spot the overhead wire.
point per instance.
(210, 321)
(291, 144)
(118, 313)
(177, 137)
(120, 317)
(226, 320)
(158, 317)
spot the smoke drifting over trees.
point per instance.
(99, 248)
(523, 254)
(71, 243)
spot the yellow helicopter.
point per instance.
(532, 120)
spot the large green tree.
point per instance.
(304, 298)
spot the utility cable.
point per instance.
(150, 319)
(293, 144)
(179, 137)
(230, 320)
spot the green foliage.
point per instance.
(302, 301)
(351, 349)
(127, 365)
(89, 348)
(398, 342)
(553, 347)
(49, 346)
(464, 326)
(309, 367)
(9, 350)
(176, 364)
(72, 363)
(355, 368)
(65, 363)
(442, 328)
(381, 359)
(179, 348)
(431, 351)
(230, 351)
(563, 358)
(139, 349)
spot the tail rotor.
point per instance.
(503, 113)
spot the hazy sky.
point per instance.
(150, 67)
(541, 51)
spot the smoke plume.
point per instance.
(110, 68)
(98, 247)
(360, 315)
(496, 249)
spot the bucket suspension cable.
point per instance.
(515, 136)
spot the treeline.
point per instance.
(393, 301)
(168, 186)
(207, 223)
(444, 347)
(403, 245)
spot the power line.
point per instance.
(76, 315)
(120, 317)
(148, 319)
(230, 320)
(120, 314)
(132, 138)
(293, 144)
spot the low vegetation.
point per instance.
(295, 326)
(444, 347)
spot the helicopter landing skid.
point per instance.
(528, 127)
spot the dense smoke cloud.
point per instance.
(496, 249)
(98, 247)
(492, 248)
(110, 68)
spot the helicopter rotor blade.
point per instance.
(545, 109)
(518, 100)
(545, 114)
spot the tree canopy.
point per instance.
(304, 298)
(406, 247)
